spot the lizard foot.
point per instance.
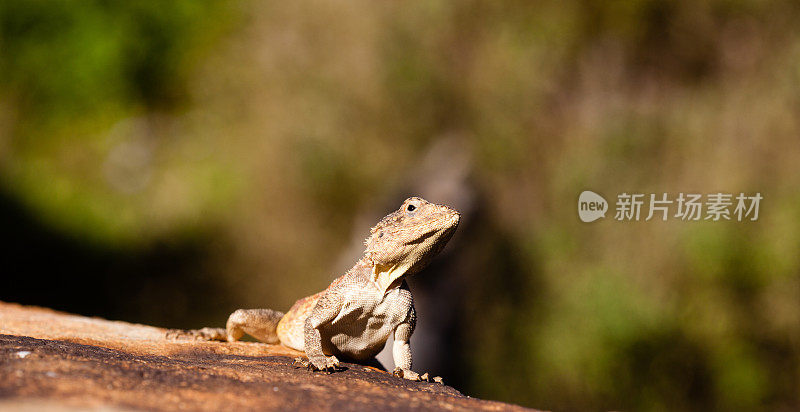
(318, 363)
(300, 362)
(198, 334)
(413, 376)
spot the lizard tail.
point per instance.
(261, 324)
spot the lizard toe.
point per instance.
(172, 334)
(300, 362)
(406, 374)
(332, 362)
(318, 363)
(205, 334)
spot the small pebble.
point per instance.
(23, 354)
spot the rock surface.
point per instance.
(56, 361)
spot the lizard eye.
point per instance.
(411, 208)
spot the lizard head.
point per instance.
(407, 239)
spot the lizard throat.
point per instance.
(385, 275)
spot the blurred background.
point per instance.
(169, 162)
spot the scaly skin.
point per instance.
(358, 312)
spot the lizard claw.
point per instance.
(300, 363)
(406, 374)
(172, 334)
(413, 376)
(197, 334)
(321, 363)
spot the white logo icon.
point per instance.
(591, 206)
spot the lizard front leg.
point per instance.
(326, 309)
(401, 351)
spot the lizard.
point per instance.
(354, 316)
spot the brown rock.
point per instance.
(57, 361)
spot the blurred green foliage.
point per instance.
(62, 61)
(266, 126)
(70, 74)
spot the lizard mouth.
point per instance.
(455, 218)
(451, 219)
(447, 224)
(443, 226)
